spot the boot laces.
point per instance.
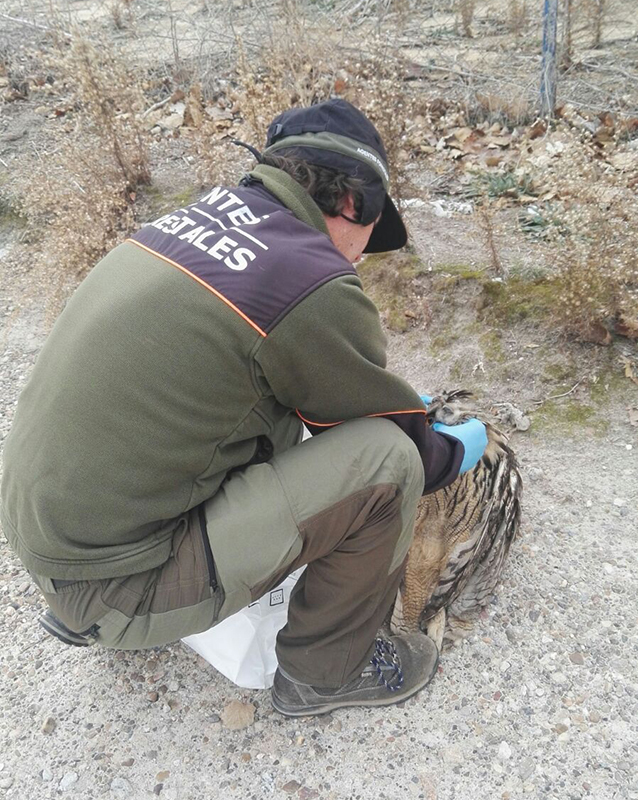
(385, 658)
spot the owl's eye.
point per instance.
(448, 412)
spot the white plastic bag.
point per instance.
(242, 647)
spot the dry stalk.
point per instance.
(517, 11)
(567, 51)
(486, 222)
(599, 16)
(466, 9)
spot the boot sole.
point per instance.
(58, 629)
(325, 708)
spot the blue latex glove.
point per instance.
(472, 436)
(426, 399)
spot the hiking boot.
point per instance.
(399, 667)
(57, 628)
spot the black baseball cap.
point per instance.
(337, 135)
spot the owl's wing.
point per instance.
(474, 564)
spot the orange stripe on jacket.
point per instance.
(332, 424)
(203, 283)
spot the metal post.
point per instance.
(548, 69)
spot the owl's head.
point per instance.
(453, 408)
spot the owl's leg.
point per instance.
(397, 624)
(435, 628)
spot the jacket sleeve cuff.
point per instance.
(444, 456)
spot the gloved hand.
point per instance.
(426, 399)
(472, 435)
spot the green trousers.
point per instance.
(343, 503)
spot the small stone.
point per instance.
(618, 501)
(43, 110)
(505, 665)
(238, 715)
(162, 776)
(535, 473)
(526, 768)
(158, 788)
(245, 757)
(577, 658)
(120, 787)
(68, 780)
(128, 762)
(47, 775)
(594, 716)
(153, 697)
(560, 728)
(48, 726)
(307, 794)
(291, 787)
(6, 783)
(172, 122)
(504, 751)
(173, 686)
(453, 755)
(559, 678)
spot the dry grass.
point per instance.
(596, 242)
(79, 188)
(598, 268)
(299, 69)
(84, 182)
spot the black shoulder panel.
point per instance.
(249, 249)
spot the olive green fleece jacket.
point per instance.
(182, 349)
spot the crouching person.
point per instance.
(155, 481)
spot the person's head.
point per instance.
(337, 155)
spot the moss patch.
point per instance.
(10, 216)
(492, 347)
(569, 417)
(156, 202)
(560, 372)
(609, 382)
(441, 342)
(518, 299)
(389, 281)
(463, 272)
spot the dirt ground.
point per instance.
(541, 701)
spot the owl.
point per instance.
(462, 535)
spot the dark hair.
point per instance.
(327, 187)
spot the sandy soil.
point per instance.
(540, 701)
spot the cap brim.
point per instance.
(389, 233)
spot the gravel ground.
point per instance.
(540, 702)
